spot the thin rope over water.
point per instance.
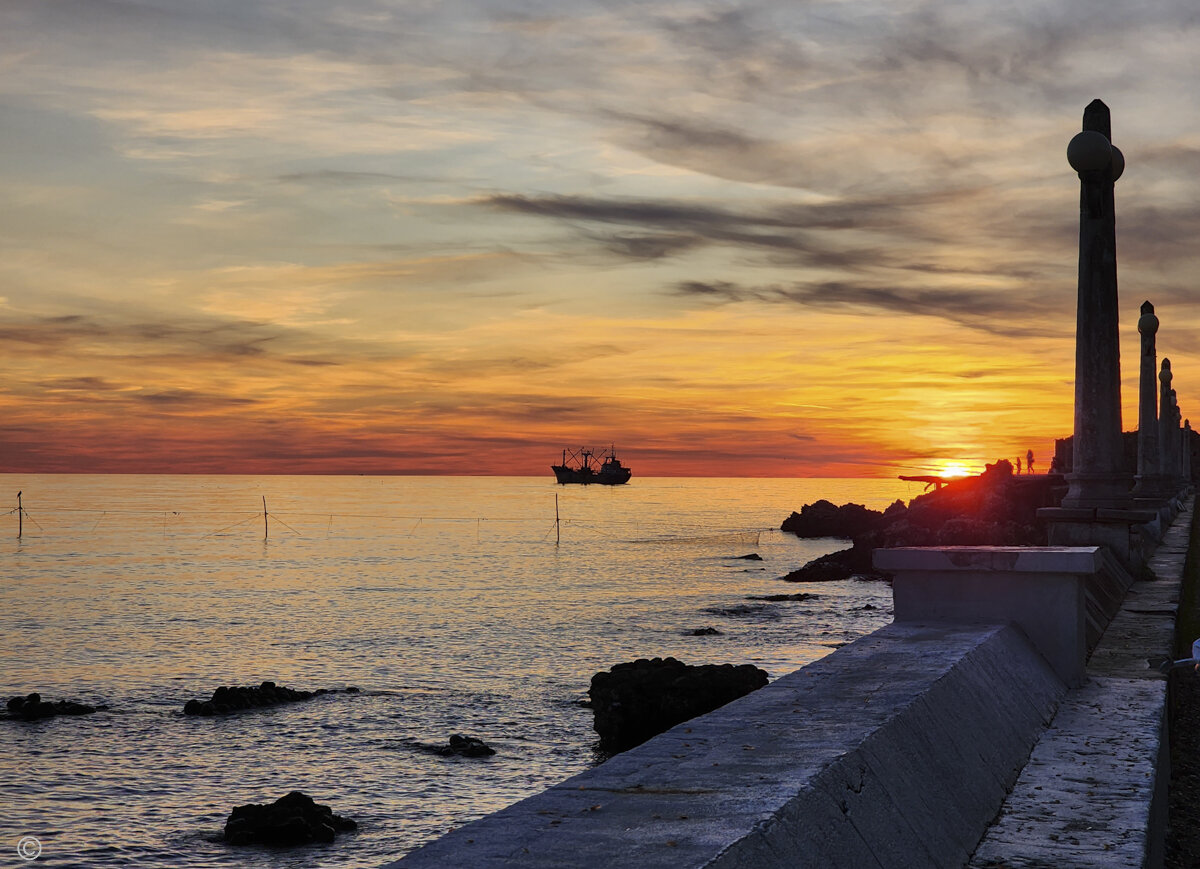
(618, 532)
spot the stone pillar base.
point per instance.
(1091, 491)
(1150, 488)
(1112, 528)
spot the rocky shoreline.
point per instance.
(996, 508)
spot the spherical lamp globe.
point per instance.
(1118, 162)
(1089, 151)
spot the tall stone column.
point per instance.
(1149, 464)
(1187, 452)
(1096, 510)
(1176, 437)
(1099, 478)
(1166, 423)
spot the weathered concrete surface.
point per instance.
(1093, 792)
(896, 750)
(1061, 597)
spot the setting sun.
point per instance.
(954, 469)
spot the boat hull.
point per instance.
(586, 476)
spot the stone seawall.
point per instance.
(895, 750)
(924, 744)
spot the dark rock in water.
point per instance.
(634, 701)
(32, 707)
(228, 699)
(744, 610)
(463, 746)
(291, 820)
(842, 564)
(703, 632)
(753, 556)
(469, 746)
(824, 519)
(802, 595)
(868, 606)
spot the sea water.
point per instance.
(473, 605)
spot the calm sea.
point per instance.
(456, 605)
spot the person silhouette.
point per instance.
(1018, 466)
(1029, 461)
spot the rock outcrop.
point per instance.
(32, 707)
(227, 699)
(825, 519)
(291, 820)
(996, 508)
(634, 701)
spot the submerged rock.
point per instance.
(703, 632)
(801, 595)
(634, 701)
(463, 746)
(753, 556)
(32, 707)
(291, 820)
(469, 746)
(744, 610)
(227, 699)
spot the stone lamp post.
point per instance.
(1166, 424)
(1095, 510)
(1099, 478)
(1151, 487)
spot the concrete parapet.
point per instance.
(896, 750)
(1061, 597)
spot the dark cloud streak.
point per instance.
(996, 313)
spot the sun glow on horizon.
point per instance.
(955, 469)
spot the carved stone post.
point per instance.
(1177, 438)
(1095, 511)
(1099, 478)
(1149, 466)
(1187, 452)
(1166, 423)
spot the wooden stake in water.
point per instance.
(21, 516)
(557, 526)
(266, 530)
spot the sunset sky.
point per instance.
(754, 238)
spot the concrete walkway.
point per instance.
(1094, 791)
